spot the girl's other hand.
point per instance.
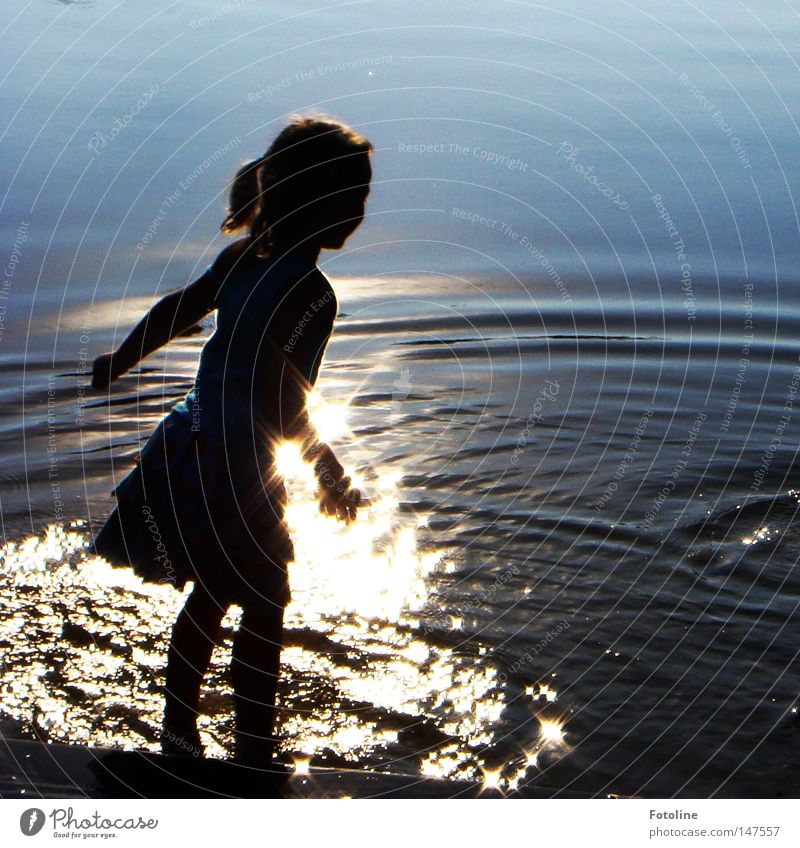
(341, 500)
(348, 508)
(103, 371)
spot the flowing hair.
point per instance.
(310, 161)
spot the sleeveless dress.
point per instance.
(204, 502)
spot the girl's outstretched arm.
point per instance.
(168, 318)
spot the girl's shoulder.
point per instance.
(304, 287)
(240, 257)
(295, 281)
(235, 256)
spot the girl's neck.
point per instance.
(297, 251)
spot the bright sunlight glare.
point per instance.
(329, 417)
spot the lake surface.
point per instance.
(566, 369)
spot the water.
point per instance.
(566, 370)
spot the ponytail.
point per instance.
(243, 201)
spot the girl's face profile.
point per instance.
(346, 211)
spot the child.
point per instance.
(205, 502)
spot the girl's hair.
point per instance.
(311, 159)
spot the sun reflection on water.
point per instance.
(493, 779)
(361, 584)
(330, 418)
(360, 680)
(372, 566)
(760, 534)
(552, 731)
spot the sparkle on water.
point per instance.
(493, 779)
(301, 764)
(85, 643)
(761, 534)
(509, 777)
(552, 731)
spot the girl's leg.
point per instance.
(193, 638)
(254, 668)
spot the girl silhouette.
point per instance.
(205, 502)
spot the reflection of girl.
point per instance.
(205, 503)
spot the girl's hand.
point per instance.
(103, 371)
(348, 508)
(340, 499)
